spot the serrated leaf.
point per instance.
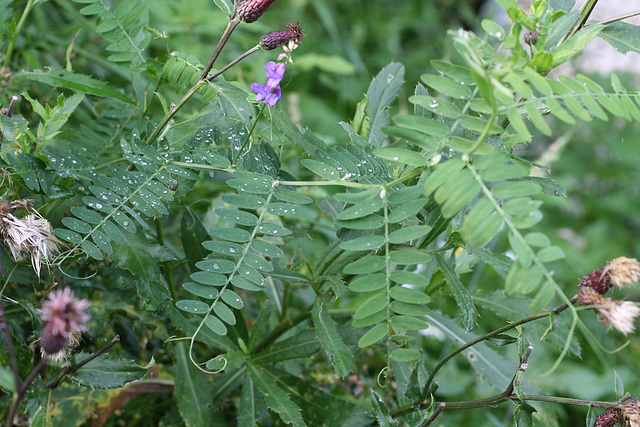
(192, 388)
(141, 258)
(274, 397)
(381, 411)
(105, 372)
(469, 314)
(382, 91)
(300, 346)
(331, 341)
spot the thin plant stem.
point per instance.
(585, 12)
(510, 326)
(253, 127)
(233, 23)
(73, 368)
(234, 62)
(14, 37)
(616, 19)
(22, 389)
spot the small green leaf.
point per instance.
(87, 215)
(232, 234)
(224, 312)
(408, 257)
(409, 295)
(192, 306)
(371, 282)
(401, 155)
(224, 248)
(203, 291)
(447, 86)
(407, 234)
(436, 105)
(422, 124)
(409, 323)
(237, 216)
(374, 335)
(322, 170)
(92, 250)
(368, 264)
(293, 197)
(267, 249)
(232, 299)
(246, 201)
(215, 325)
(409, 278)
(371, 306)
(405, 354)
(361, 209)
(409, 309)
(208, 278)
(364, 243)
(68, 236)
(220, 266)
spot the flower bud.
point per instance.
(531, 38)
(51, 343)
(293, 33)
(250, 10)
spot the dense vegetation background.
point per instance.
(593, 215)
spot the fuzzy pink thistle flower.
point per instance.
(64, 318)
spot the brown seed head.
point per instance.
(623, 271)
(250, 10)
(631, 412)
(619, 314)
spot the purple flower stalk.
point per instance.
(270, 92)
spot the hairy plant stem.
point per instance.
(555, 311)
(73, 368)
(14, 36)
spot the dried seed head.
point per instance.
(250, 10)
(631, 412)
(619, 314)
(623, 271)
(292, 34)
(31, 236)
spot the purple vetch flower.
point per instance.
(270, 92)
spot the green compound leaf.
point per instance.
(469, 314)
(331, 341)
(405, 355)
